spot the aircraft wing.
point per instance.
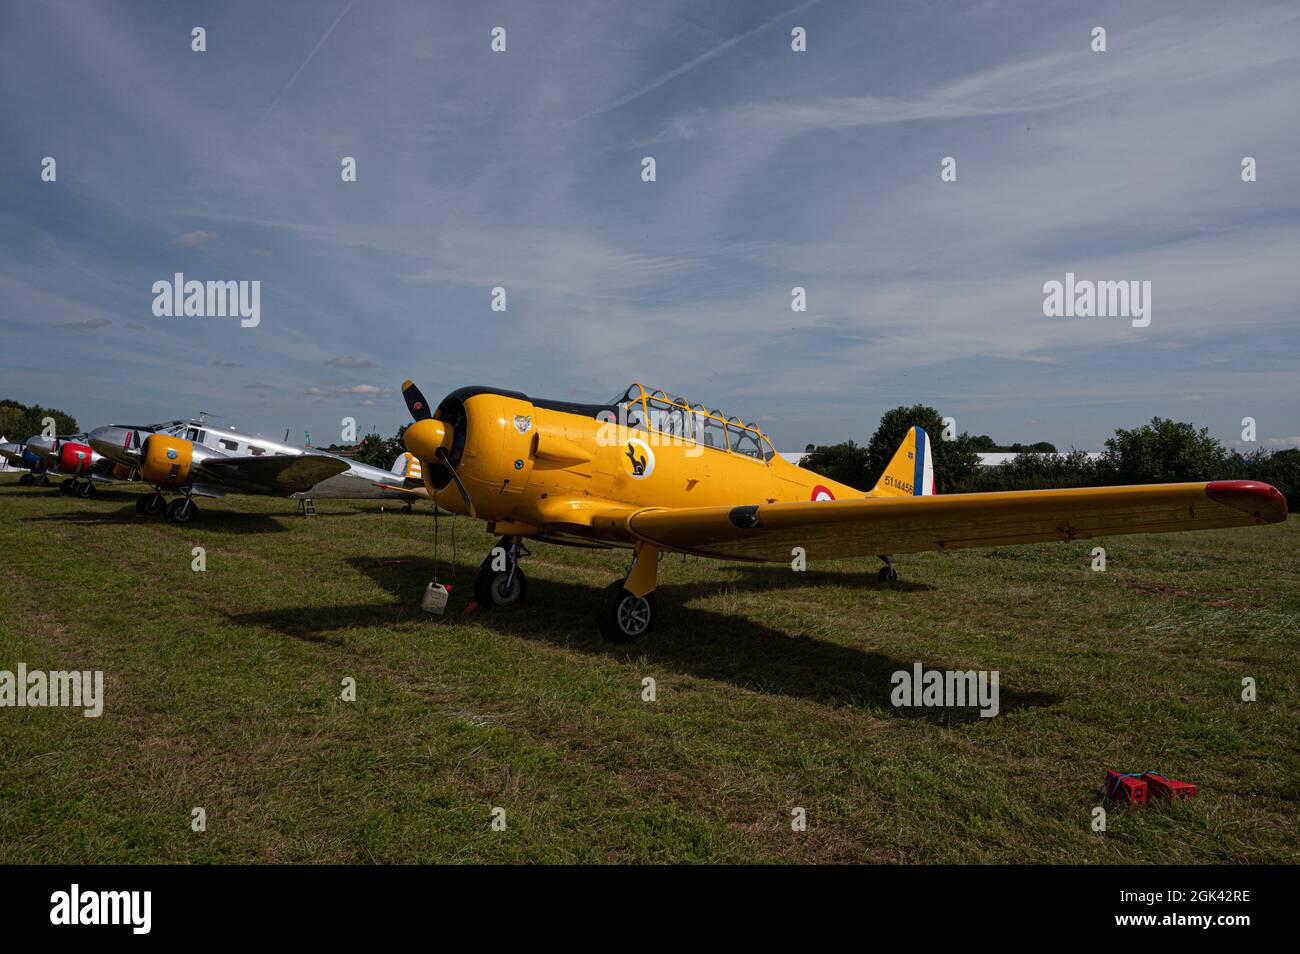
(892, 525)
(415, 490)
(281, 474)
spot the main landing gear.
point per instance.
(628, 611)
(182, 510)
(74, 489)
(500, 582)
(887, 572)
(30, 480)
(150, 505)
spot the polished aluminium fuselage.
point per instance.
(358, 482)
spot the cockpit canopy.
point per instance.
(670, 414)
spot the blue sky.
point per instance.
(522, 169)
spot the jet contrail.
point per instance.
(691, 64)
(285, 88)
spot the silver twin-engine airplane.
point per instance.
(195, 459)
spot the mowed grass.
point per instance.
(223, 692)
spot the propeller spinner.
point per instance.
(429, 440)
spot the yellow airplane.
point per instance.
(655, 473)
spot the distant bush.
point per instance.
(1037, 472)
(1163, 451)
(381, 452)
(847, 463)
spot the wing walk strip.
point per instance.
(877, 525)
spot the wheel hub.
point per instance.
(633, 615)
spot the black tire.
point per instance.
(86, 490)
(45, 481)
(139, 504)
(154, 504)
(491, 589)
(887, 574)
(625, 618)
(68, 486)
(181, 511)
(26, 480)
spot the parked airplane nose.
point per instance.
(114, 442)
(42, 447)
(11, 452)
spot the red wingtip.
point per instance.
(1265, 501)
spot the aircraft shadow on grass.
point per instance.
(210, 521)
(690, 640)
(772, 577)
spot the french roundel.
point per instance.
(821, 492)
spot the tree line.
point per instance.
(1162, 451)
(20, 421)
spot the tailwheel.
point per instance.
(625, 617)
(68, 486)
(887, 572)
(85, 490)
(501, 587)
(182, 510)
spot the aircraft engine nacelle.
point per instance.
(491, 447)
(75, 459)
(167, 460)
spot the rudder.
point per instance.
(911, 471)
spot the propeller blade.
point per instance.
(446, 462)
(415, 402)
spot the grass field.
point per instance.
(223, 691)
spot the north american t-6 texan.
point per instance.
(658, 474)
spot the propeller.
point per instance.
(446, 462)
(415, 402)
(428, 439)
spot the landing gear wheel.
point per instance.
(154, 504)
(86, 490)
(499, 587)
(68, 486)
(625, 617)
(45, 481)
(182, 510)
(887, 574)
(26, 480)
